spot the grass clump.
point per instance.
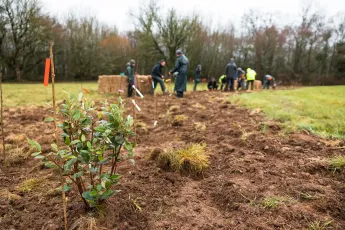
(8, 195)
(337, 163)
(174, 109)
(30, 184)
(192, 158)
(270, 202)
(306, 196)
(87, 223)
(199, 126)
(16, 138)
(142, 126)
(320, 225)
(16, 155)
(199, 106)
(179, 119)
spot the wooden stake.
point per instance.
(55, 134)
(53, 86)
(155, 105)
(2, 122)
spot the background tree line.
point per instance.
(311, 51)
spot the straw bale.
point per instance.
(144, 83)
(111, 84)
(257, 84)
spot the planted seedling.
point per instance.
(91, 149)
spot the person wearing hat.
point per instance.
(251, 74)
(268, 81)
(181, 67)
(157, 76)
(130, 77)
(197, 78)
(231, 73)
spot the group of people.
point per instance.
(245, 79)
(227, 81)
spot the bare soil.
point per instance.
(252, 161)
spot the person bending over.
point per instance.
(269, 81)
(157, 76)
(212, 85)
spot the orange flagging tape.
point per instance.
(86, 91)
(46, 72)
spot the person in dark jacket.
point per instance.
(157, 76)
(181, 67)
(212, 85)
(269, 81)
(230, 72)
(197, 78)
(130, 77)
(241, 79)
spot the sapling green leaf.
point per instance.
(39, 157)
(34, 144)
(66, 188)
(69, 164)
(55, 147)
(36, 154)
(92, 147)
(48, 119)
(67, 140)
(74, 142)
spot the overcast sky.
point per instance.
(117, 12)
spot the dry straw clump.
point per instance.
(30, 184)
(86, 223)
(192, 158)
(8, 195)
(199, 126)
(179, 119)
(15, 138)
(142, 126)
(174, 109)
(199, 106)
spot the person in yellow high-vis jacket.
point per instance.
(222, 82)
(251, 74)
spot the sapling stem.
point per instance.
(55, 134)
(2, 122)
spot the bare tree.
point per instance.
(25, 27)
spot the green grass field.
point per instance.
(320, 110)
(36, 94)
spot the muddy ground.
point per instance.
(260, 177)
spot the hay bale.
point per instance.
(257, 84)
(111, 84)
(235, 84)
(144, 83)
